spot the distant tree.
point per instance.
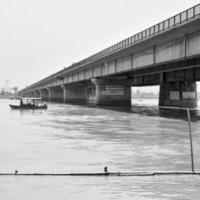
(15, 89)
(2, 91)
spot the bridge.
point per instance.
(166, 54)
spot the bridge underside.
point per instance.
(177, 87)
(181, 94)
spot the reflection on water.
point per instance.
(70, 138)
(150, 107)
(90, 188)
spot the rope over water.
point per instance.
(175, 173)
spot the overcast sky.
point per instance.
(40, 37)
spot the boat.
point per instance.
(27, 107)
(29, 103)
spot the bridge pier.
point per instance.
(44, 94)
(55, 94)
(75, 93)
(36, 93)
(180, 94)
(112, 92)
(30, 94)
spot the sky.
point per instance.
(41, 37)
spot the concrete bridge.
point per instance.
(166, 54)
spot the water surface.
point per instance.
(72, 138)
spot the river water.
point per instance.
(71, 138)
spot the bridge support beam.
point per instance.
(112, 92)
(55, 94)
(75, 93)
(180, 94)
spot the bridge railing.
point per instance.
(156, 29)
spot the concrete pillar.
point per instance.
(64, 87)
(55, 94)
(180, 94)
(75, 93)
(91, 94)
(112, 92)
(44, 94)
(36, 93)
(31, 94)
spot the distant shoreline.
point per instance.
(143, 98)
(6, 97)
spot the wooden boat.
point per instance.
(29, 103)
(27, 106)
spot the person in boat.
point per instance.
(21, 102)
(33, 103)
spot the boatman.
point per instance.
(106, 169)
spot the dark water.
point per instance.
(70, 138)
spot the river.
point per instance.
(73, 139)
